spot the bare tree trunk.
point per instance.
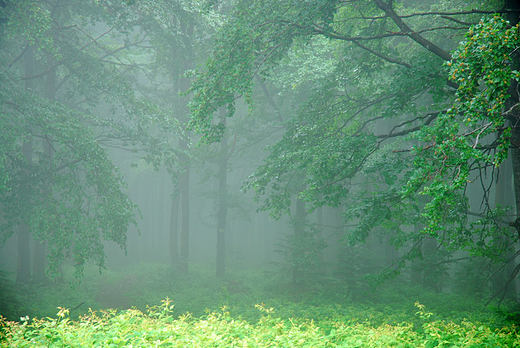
(184, 180)
(431, 274)
(174, 225)
(222, 205)
(416, 277)
(503, 198)
(23, 270)
(514, 19)
(40, 247)
(319, 236)
(184, 188)
(299, 231)
(265, 232)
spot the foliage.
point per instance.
(302, 250)
(158, 327)
(319, 312)
(76, 79)
(386, 129)
(74, 199)
(483, 69)
(242, 46)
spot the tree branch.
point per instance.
(388, 59)
(429, 118)
(430, 46)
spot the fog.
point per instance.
(226, 153)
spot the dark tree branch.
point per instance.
(430, 46)
(429, 118)
(458, 21)
(388, 59)
(442, 14)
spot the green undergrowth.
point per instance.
(259, 310)
(158, 327)
(142, 284)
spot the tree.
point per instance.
(70, 193)
(178, 32)
(393, 65)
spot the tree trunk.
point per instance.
(319, 235)
(514, 19)
(184, 187)
(23, 270)
(504, 185)
(267, 241)
(40, 261)
(174, 232)
(40, 247)
(416, 277)
(431, 274)
(187, 57)
(222, 206)
(299, 231)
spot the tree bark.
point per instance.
(222, 206)
(23, 270)
(184, 180)
(431, 274)
(319, 235)
(184, 185)
(40, 247)
(504, 185)
(174, 231)
(430, 46)
(299, 231)
(514, 19)
(267, 241)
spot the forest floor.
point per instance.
(152, 306)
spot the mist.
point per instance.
(262, 164)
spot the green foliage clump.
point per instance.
(158, 328)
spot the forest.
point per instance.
(259, 173)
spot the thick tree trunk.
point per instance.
(514, 18)
(504, 186)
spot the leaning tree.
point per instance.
(418, 115)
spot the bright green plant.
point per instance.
(158, 328)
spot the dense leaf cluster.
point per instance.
(395, 131)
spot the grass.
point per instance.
(252, 309)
